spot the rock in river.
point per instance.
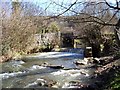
(80, 63)
(56, 66)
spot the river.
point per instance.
(31, 71)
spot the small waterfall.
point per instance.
(77, 51)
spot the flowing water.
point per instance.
(31, 71)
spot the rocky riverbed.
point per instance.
(58, 70)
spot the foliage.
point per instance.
(115, 82)
(53, 27)
(92, 34)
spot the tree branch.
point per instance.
(117, 7)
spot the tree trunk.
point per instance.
(117, 37)
(107, 46)
(96, 50)
(117, 33)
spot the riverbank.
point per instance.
(5, 59)
(104, 75)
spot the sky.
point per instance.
(56, 9)
(52, 7)
(113, 1)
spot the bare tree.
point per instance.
(101, 13)
(18, 29)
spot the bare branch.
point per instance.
(67, 9)
(117, 7)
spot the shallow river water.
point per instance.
(31, 71)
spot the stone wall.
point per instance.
(45, 39)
